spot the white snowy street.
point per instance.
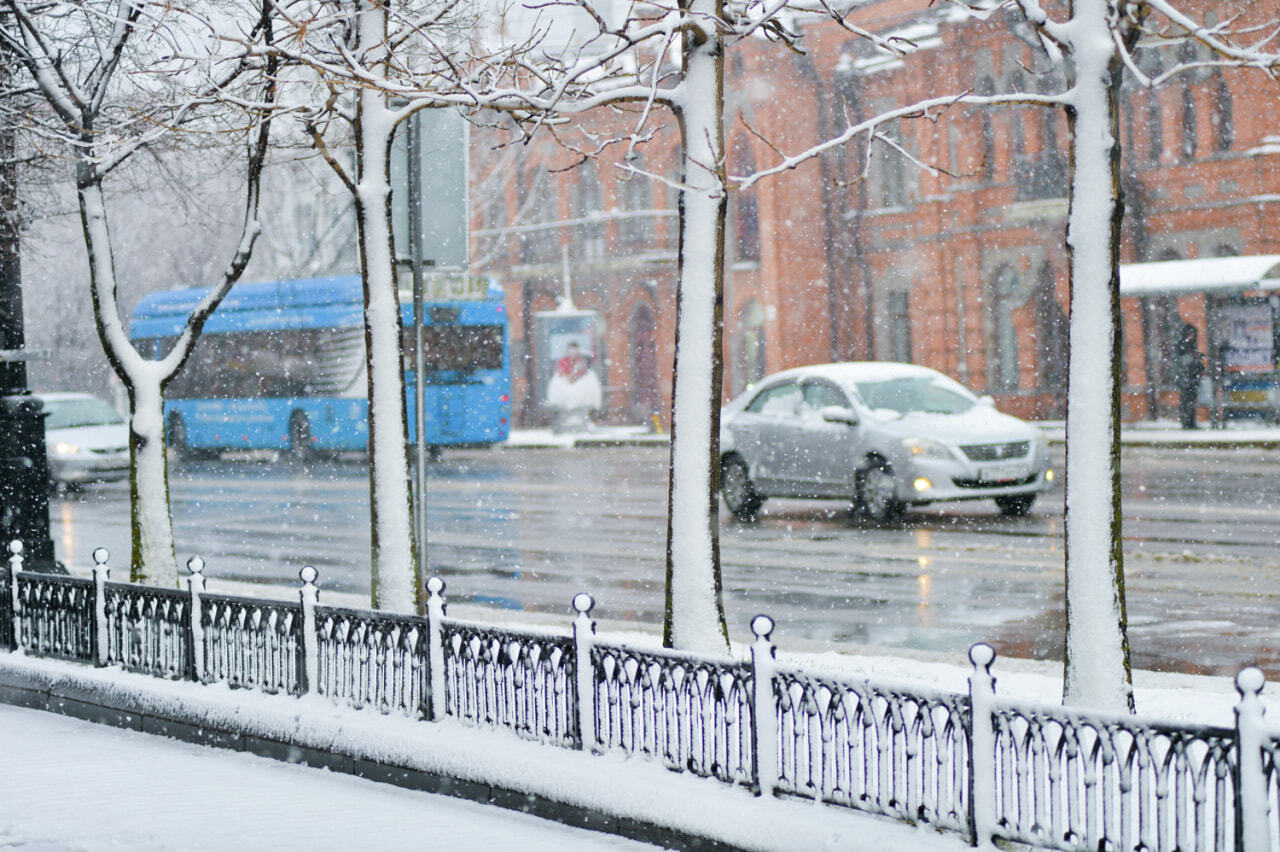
(74, 785)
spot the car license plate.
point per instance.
(1003, 473)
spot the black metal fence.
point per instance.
(985, 767)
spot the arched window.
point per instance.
(749, 364)
(746, 211)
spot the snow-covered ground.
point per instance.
(522, 439)
(204, 804)
(73, 785)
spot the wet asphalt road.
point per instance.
(527, 529)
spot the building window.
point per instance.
(746, 211)
(492, 247)
(637, 200)
(1044, 173)
(888, 169)
(899, 325)
(1188, 122)
(987, 87)
(588, 204)
(1017, 133)
(1155, 128)
(749, 364)
(1005, 367)
(1166, 327)
(540, 243)
(1224, 130)
(644, 363)
(1051, 335)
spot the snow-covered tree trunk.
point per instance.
(395, 584)
(153, 553)
(1097, 668)
(694, 614)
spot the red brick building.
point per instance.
(864, 254)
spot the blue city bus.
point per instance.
(281, 366)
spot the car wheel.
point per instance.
(1017, 506)
(877, 492)
(300, 437)
(176, 439)
(738, 490)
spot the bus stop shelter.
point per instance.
(1241, 327)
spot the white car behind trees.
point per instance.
(85, 437)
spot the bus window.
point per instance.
(280, 363)
(465, 348)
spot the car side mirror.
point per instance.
(838, 414)
(988, 400)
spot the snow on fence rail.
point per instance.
(983, 766)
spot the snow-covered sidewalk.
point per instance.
(636, 791)
(73, 785)
(1143, 433)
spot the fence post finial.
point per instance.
(435, 709)
(763, 708)
(584, 633)
(195, 587)
(15, 565)
(101, 573)
(982, 745)
(310, 596)
(1250, 735)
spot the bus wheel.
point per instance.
(299, 436)
(176, 438)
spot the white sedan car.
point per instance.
(86, 438)
(884, 435)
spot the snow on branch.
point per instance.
(106, 112)
(1263, 53)
(929, 108)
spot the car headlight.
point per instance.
(65, 448)
(923, 448)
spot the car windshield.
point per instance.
(69, 413)
(930, 394)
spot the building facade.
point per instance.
(942, 242)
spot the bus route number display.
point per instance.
(445, 288)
